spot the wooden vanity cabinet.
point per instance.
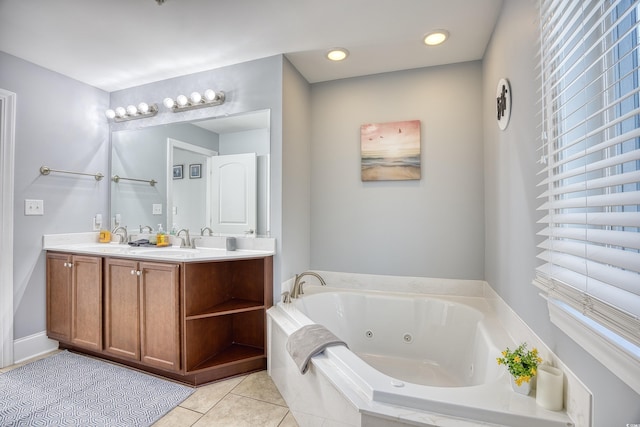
(74, 299)
(194, 322)
(141, 314)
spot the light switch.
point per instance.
(33, 207)
(157, 209)
(97, 222)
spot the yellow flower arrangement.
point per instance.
(521, 363)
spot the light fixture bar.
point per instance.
(142, 111)
(210, 98)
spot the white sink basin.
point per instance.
(165, 252)
(107, 248)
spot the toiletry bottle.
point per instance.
(162, 239)
(105, 236)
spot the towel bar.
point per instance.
(45, 170)
(116, 178)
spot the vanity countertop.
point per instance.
(212, 249)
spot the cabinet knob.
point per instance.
(68, 264)
(139, 273)
(133, 272)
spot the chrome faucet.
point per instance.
(146, 227)
(296, 290)
(186, 241)
(207, 229)
(193, 242)
(122, 237)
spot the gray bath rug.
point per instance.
(68, 389)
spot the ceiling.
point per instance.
(118, 44)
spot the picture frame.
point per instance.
(390, 151)
(177, 171)
(195, 171)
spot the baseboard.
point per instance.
(31, 346)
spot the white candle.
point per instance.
(550, 388)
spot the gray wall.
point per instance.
(59, 123)
(296, 187)
(510, 205)
(433, 227)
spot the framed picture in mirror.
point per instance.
(195, 171)
(177, 171)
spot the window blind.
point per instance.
(591, 160)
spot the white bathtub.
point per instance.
(412, 360)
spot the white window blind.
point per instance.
(590, 55)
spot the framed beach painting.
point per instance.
(390, 151)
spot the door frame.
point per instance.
(7, 160)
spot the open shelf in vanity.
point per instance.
(224, 312)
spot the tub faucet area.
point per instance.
(296, 290)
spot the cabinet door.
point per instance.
(122, 308)
(59, 296)
(159, 324)
(86, 302)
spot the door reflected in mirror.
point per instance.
(188, 191)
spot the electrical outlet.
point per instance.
(157, 209)
(97, 222)
(33, 207)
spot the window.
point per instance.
(591, 154)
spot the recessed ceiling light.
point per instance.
(337, 54)
(436, 37)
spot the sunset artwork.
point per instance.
(390, 151)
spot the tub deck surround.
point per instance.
(370, 397)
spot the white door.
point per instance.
(234, 205)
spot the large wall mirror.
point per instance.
(208, 173)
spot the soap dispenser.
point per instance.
(162, 238)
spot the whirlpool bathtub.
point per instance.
(412, 359)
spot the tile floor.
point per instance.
(247, 401)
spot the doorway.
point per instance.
(7, 150)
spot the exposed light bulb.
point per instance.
(143, 107)
(132, 110)
(169, 102)
(182, 100)
(121, 112)
(110, 114)
(210, 95)
(195, 98)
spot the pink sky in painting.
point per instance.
(394, 139)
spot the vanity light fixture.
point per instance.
(121, 114)
(436, 37)
(210, 98)
(337, 54)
